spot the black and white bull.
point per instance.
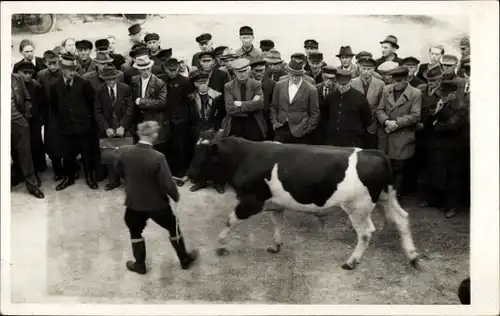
(273, 176)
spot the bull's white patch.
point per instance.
(349, 191)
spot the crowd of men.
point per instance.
(417, 113)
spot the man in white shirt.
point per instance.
(294, 107)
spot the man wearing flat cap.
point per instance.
(72, 102)
(315, 63)
(385, 70)
(294, 108)
(361, 55)
(20, 136)
(412, 64)
(445, 148)
(247, 49)
(258, 68)
(244, 102)
(266, 45)
(218, 77)
(274, 65)
(37, 96)
(389, 47)
(228, 56)
(149, 188)
(135, 34)
(178, 90)
(449, 67)
(206, 45)
(83, 49)
(207, 112)
(112, 114)
(325, 88)
(349, 113)
(371, 87)
(345, 56)
(465, 52)
(398, 114)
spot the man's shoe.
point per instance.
(219, 188)
(198, 186)
(112, 185)
(64, 184)
(37, 193)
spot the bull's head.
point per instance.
(205, 164)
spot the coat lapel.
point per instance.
(299, 92)
(402, 98)
(287, 95)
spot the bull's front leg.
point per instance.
(277, 219)
(248, 206)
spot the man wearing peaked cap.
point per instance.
(371, 87)
(135, 33)
(345, 56)
(244, 100)
(247, 49)
(310, 46)
(295, 109)
(412, 64)
(206, 45)
(266, 45)
(389, 47)
(178, 90)
(449, 66)
(83, 49)
(219, 52)
(314, 66)
(218, 77)
(398, 113)
(259, 73)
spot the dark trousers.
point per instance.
(73, 144)
(21, 147)
(136, 221)
(246, 127)
(176, 149)
(37, 146)
(283, 135)
(400, 170)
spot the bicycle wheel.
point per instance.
(135, 18)
(40, 23)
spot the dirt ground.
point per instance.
(72, 246)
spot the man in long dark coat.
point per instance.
(258, 73)
(325, 88)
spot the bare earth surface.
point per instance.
(72, 246)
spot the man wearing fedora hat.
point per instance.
(101, 60)
(20, 136)
(112, 114)
(398, 114)
(206, 45)
(315, 63)
(389, 47)
(247, 49)
(129, 72)
(229, 55)
(149, 99)
(445, 148)
(244, 102)
(258, 68)
(274, 69)
(294, 108)
(465, 52)
(371, 87)
(349, 113)
(83, 49)
(325, 88)
(345, 56)
(36, 92)
(207, 110)
(299, 58)
(218, 78)
(178, 90)
(72, 102)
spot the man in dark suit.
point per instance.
(27, 49)
(294, 109)
(218, 78)
(72, 102)
(100, 61)
(315, 63)
(111, 114)
(244, 102)
(118, 59)
(156, 53)
(36, 93)
(258, 73)
(206, 45)
(274, 70)
(46, 78)
(85, 64)
(149, 99)
(148, 189)
(325, 88)
(178, 115)
(299, 58)
(20, 135)
(349, 114)
(128, 70)
(435, 54)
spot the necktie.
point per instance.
(325, 91)
(68, 84)
(243, 91)
(112, 95)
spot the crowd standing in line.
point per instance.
(417, 113)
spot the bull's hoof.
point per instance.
(346, 266)
(275, 249)
(221, 252)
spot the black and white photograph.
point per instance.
(235, 158)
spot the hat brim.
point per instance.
(293, 71)
(392, 43)
(149, 65)
(72, 67)
(273, 60)
(108, 77)
(348, 55)
(107, 61)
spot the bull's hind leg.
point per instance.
(248, 206)
(277, 219)
(360, 216)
